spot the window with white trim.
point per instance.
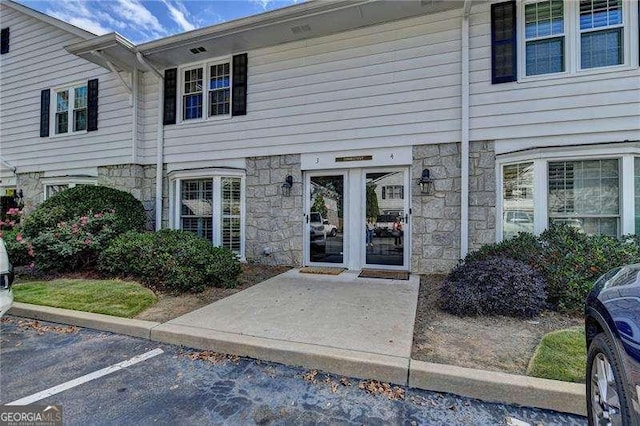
(585, 194)
(70, 106)
(212, 79)
(53, 187)
(601, 33)
(544, 37)
(212, 208)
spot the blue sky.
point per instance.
(146, 20)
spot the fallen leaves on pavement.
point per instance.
(212, 357)
(6, 320)
(310, 376)
(375, 387)
(41, 329)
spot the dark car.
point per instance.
(612, 325)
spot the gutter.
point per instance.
(159, 139)
(464, 134)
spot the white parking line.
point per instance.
(86, 378)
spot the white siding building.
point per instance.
(524, 113)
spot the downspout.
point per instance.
(464, 137)
(134, 117)
(159, 139)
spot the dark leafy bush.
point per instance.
(568, 260)
(171, 260)
(86, 200)
(494, 286)
(74, 245)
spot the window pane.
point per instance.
(544, 18)
(517, 196)
(79, 120)
(62, 101)
(545, 56)
(600, 13)
(62, 122)
(196, 210)
(601, 48)
(192, 106)
(585, 194)
(51, 190)
(80, 97)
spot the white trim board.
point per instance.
(380, 157)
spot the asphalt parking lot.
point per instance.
(175, 385)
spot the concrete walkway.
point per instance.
(333, 320)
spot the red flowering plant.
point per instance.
(74, 245)
(20, 250)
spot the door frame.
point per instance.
(306, 249)
(406, 245)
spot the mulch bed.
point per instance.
(489, 343)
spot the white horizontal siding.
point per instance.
(37, 60)
(397, 83)
(552, 110)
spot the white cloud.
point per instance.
(264, 4)
(85, 23)
(179, 14)
(138, 15)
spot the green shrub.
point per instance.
(76, 244)
(170, 260)
(568, 260)
(85, 200)
(493, 286)
(19, 250)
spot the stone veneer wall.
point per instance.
(436, 218)
(272, 220)
(32, 189)
(482, 194)
(140, 181)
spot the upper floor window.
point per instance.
(531, 38)
(218, 91)
(393, 192)
(70, 105)
(544, 35)
(601, 33)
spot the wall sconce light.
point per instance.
(426, 183)
(286, 186)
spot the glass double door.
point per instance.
(357, 218)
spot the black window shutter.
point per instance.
(92, 105)
(384, 192)
(170, 95)
(503, 42)
(44, 112)
(4, 41)
(239, 85)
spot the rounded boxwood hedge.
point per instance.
(85, 200)
(494, 286)
(170, 260)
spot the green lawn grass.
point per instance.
(561, 355)
(110, 297)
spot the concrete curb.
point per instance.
(127, 326)
(499, 387)
(332, 360)
(480, 384)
